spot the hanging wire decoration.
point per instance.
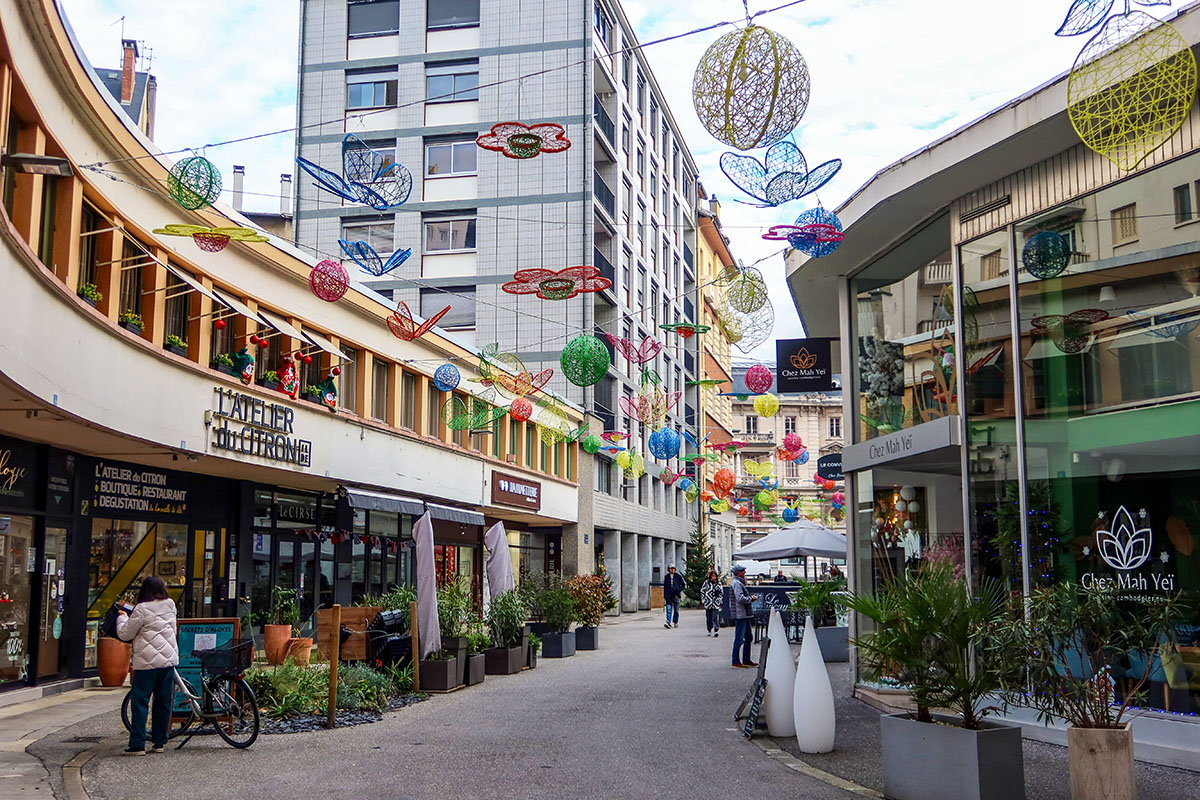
(562, 285)
(446, 378)
(369, 178)
(591, 444)
(707, 383)
(194, 182)
(782, 176)
(1133, 84)
(751, 88)
(212, 240)
(685, 330)
(1046, 255)
(664, 443)
(517, 140)
(585, 360)
(766, 405)
(632, 464)
(817, 232)
(755, 328)
(651, 405)
(371, 262)
(473, 413)
(1167, 326)
(747, 292)
(520, 409)
(329, 281)
(522, 384)
(403, 327)
(793, 442)
(759, 379)
(640, 354)
(1071, 333)
(552, 422)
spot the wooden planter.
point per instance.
(1101, 761)
(476, 669)
(112, 659)
(503, 660)
(275, 642)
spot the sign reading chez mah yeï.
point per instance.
(513, 491)
(251, 426)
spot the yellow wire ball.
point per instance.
(751, 88)
(767, 405)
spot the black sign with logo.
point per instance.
(131, 491)
(18, 473)
(60, 482)
(804, 365)
(830, 467)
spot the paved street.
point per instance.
(648, 715)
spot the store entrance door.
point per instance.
(50, 628)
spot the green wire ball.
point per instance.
(585, 360)
(194, 183)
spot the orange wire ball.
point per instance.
(521, 409)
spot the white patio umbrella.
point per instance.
(802, 538)
(753, 567)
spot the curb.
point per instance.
(777, 753)
(72, 771)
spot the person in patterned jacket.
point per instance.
(710, 597)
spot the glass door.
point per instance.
(51, 598)
(16, 570)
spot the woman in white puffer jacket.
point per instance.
(151, 627)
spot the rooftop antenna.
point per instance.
(122, 21)
(147, 55)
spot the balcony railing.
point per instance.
(604, 194)
(604, 265)
(767, 437)
(604, 121)
(938, 272)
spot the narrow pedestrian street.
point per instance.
(647, 715)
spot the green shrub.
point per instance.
(361, 687)
(454, 607)
(401, 678)
(289, 690)
(558, 609)
(506, 620)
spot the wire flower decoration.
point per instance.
(371, 262)
(651, 405)
(747, 292)
(781, 177)
(518, 140)
(817, 232)
(194, 182)
(403, 327)
(368, 179)
(639, 354)
(766, 405)
(632, 464)
(1071, 333)
(212, 240)
(473, 413)
(329, 281)
(685, 330)
(562, 285)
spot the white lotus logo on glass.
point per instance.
(1125, 546)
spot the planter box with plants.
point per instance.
(590, 596)
(531, 651)
(817, 599)
(927, 624)
(280, 636)
(477, 644)
(507, 631)
(312, 393)
(558, 607)
(131, 322)
(269, 380)
(223, 363)
(176, 345)
(439, 672)
(90, 294)
(454, 617)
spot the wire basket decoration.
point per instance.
(585, 360)
(212, 240)
(747, 292)
(1046, 255)
(371, 262)
(1071, 333)
(766, 405)
(562, 285)
(664, 443)
(751, 88)
(446, 378)
(520, 141)
(781, 177)
(368, 177)
(194, 182)
(759, 379)
(632, 464)
(329, 281)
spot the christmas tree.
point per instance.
(697, 564)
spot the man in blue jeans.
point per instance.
(743, 612)
(672, 591)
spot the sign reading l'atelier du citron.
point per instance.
(249, 425)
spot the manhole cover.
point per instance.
(88, 739)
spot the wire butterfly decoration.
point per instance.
(782, 176)
(367, 177)
(370, 261)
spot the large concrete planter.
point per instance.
(503, 660)
(835, 643)
(475, 669)
(931, 761)
(558, 645)
(587, 638)
(457, 646)
(1101, 762)
(439, 676)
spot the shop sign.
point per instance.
(804, 365)
(18, 471)
(130, 487)
(512, 491)
(830, 467)
(1126, 547)
(251, 426)
(60, 482)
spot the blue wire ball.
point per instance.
(815, 216)
(664, 443)
(447, 378)
(686, 483)
(802, 458)
(1046, 255)
(790, 515)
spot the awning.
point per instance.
(378, 501)
(1155, 334)
(282, 325)
(451, 514)
(190, 281)
(237, 305)
(326, 345)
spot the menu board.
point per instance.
(200, 634)
(119, 489)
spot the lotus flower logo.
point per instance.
(804, 359)
(1125, 546)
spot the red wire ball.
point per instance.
(329, 280)
(521, 409)
(759, 379)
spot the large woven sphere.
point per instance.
(521, 409)
(818, 247)
(585, 360)
(793, 442)
(751, 88)
(790, 515)
(767, 405)
(759, 379)
(194, 183)
(747, 292)
(664, 443)
(591, 443)
(446, 378)
(1046, 255)
(329, 281)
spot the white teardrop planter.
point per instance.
(812, 697)
(781, 680)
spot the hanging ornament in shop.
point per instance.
(759, 379)
(1133, 84)
(446, 378)
(664, 443)
(632, 464)
(766, 405)
(369, 178)
(684, 330)
(1071, 333)
(585, 360)
(520, 409)
(243, 365)
(520, 141)
(212, 240)
(640, 354)
(289, 381)
(793, 442)
(402, 326)
(562, 285)
(329, 281)
(751, 88)
(1046, 255)
(782, 176)
(369, 261)
(194, 183)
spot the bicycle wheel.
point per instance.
(235, 710)
(180, 720)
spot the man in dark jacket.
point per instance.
(672, 591)
(743, 612)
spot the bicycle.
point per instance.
(226, 701)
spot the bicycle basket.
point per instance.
(231, 658)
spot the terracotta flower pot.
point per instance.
(299, 650)
(112, 659)
(275, 640)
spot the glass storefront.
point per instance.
(381, 557)
(16, 543)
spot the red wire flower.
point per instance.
(403, 327)
(562, 285)
(518, 140)
(648, 349)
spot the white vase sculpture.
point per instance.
(781, 680)
(812, 697)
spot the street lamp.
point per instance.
(33, 164)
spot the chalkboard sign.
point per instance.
(754, 697)
(200, 634)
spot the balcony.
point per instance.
(604, 121)
(759, 438)
(604, 195)
(605, 266)
(938, 272)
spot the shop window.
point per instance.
(1157, 369)
(433, 410)
(267, 359)
(408, 401)
(348, 380)
(372, 18)
(133, 258)
(452, 82)
(176, 307)
(1183, 203)
(380, 401)
(15, 597)
(89, 244)
(530, 453)
(370, 89)
(124, 552)
(450, 159)
(1124, 224)
(451, 13)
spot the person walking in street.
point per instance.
(151, 627)
(743, 612)
(672, 591)
(710, 598)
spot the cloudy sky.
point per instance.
(888, 77)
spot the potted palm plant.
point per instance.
(507, 631)
(558, 608)
(589, 594)
(286, 615)
(816, 598)
(927, 624)
(176, 345)
(454, 614)
(1063, 646)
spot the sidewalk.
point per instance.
(856, 755)
(26, 725)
